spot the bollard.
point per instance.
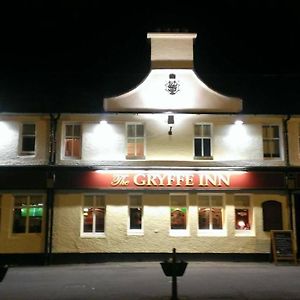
(174, 268)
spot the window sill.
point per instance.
(244, 233)
(212, 233)
(203, 157)
(179, 232)
(135, 157)
(93, 235)
(135, 232)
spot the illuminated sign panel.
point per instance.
(170, 180)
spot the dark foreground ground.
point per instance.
(146, 281)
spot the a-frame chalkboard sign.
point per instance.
(283, 246)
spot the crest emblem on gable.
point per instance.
(172, 86)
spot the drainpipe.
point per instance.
(50, 189)
(289, 179)
(52, 138)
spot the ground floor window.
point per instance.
(210, 213)
(93, 215)
(135, 214)
(178, 213)
(28, 214)
(243, 213)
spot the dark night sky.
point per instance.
(68, 57)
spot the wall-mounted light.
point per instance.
(170, 122)
(239, 122)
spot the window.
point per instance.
(243, 213)
(202, 141)
(28, 139)
(135, 214)
(28, 214)
(178, 213)
(271, 141)
(93, 215)
(210, 212)
(272, 215)
(135, 140)
(72, 141)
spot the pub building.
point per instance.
(168, 164)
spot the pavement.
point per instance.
(146, 281)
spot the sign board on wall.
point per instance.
(169, 180)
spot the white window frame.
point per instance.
(279, 139)
(28, 205)
(211, 231)
(202, 157)
(21, 140)
(251, 231)
(135, 138)
(93, 234)
(179, 232)
(64, 137)
(135, 231)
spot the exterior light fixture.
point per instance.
(170, 122)
(239, 122)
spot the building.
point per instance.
(169, 164)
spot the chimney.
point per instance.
(172, 50)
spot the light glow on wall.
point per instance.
(6, 134)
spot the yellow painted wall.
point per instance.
(156, 221)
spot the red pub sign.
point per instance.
(170, 180)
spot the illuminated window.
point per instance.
(135, 213)
(28, 214)
(28, 139)
(72, 142)
(202, 140)
(243, 213)
(178, 211)
(135, 140)
(93, 214)
(210, 212)
(271, 141)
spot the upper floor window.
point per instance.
(72, 142)
(135, 214)
(202, 141)
(210, 212)
(28, 214)
(28, 139)
(271, 141)
(135, 140)
(93, 215)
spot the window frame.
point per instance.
(93, 234)
(27, 220)
(270, 139)
(135, 231)
(202, 137)
(211, 231)
(73, 137)
(179, 232)
(135, 156)
(245, 232)
(23, 152)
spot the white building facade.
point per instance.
(170, 164)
